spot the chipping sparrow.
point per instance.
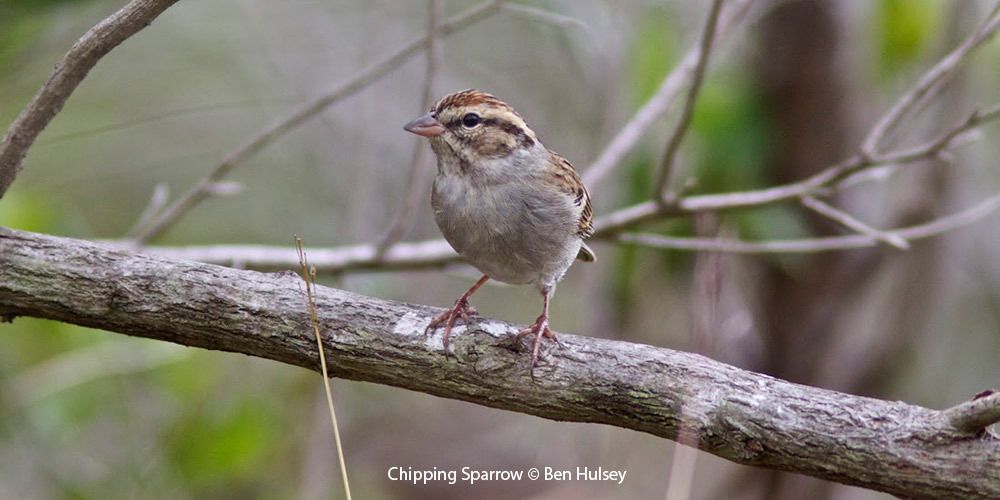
(515, 210)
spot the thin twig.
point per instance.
(377, 70)
(930, 83)
(68, 73)
(161, 194)
(846, 172)
(437, 253)
(683, 123)
(545, 16)
(976, 414)
(153, 117)
(415, 184)
(661, 101)
(309, 277)
(849, 221)
(402, 256)
(625, 218)
(945, 141)
(814, 245)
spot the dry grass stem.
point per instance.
(308, 274)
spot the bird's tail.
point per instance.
(586, 254)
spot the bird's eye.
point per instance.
(470, 120)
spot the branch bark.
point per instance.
(739, 415)
(68, 73)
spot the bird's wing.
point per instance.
(568, 181)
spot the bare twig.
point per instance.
(161, 194)
(976, 414)
(945, 141)
(308, 275)
(68, 73)
(849, 221)
(545, 16)
(929, 84)
(813, 245)
(415, 186)
(832, 175)
(846, 172)
(684, 121)
(660, 103)
(377, 70)
(402, 256)
(156, 116)
(437, 253)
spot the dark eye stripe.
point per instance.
(522, 137)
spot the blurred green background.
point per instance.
(90, 414)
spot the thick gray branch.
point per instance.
(736, 414)
(68, 73)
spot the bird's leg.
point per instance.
(461, 309)
(539, 329)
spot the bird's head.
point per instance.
(474, 126)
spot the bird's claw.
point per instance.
(539, 329)
(461, 309)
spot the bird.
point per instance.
(514, 209)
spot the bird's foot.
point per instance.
(539, 329)
(461, 309)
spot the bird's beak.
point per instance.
(426, 125)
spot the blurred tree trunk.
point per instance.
(919, 277)
(805, 93)
(798, 313)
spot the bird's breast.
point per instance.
(511, 231)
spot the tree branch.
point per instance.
(846, 172)
(849, 221)
(868, 158)
(739, 415)
(660, 102)
(415, 184)
(660, 193)
(438, 253)
(822, 244)
(930, 83)
(157, 225)
(68, 73)
(544, 16)
(976, 414)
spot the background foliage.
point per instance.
(87, 414)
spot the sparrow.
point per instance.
(508, 205)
